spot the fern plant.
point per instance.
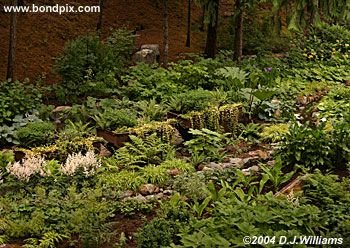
(49, 240)
(143, 151)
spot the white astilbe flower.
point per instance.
(28, 167)
(88, 163)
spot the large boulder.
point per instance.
(149, 54)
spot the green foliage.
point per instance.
(191, 185)
(155, 174)
(131, 207)
(327, 43)
(75, 130)
(332, 197)
(89, 65)
(55, 212)
(17, 99)
(111, 119)
(144, 83)
(335, 105)
(231, 220)
(6, 157)
(122, 180)
(36, 133)
(144, 151)
(274, 132)
(207, 144)
(275, 175)
(251, 132)
(8, 133)
(193, 100)
(310, 147)
(158, 233)
(178, 164)
(231, 78)
(49, 240)
(151, 111)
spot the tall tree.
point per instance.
(238, 42)
(307, 13)
(12, 44)
(100, 17)
(189, 17)
(211, 8)
(166, 32)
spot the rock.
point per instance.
(104, 152)
(149, 54)
(214, 166)
(250, 161)
(271, 163)
(168, 192)
(207, 169)
(226, 165)
(153, 47)
(140, 198)
(237, 162)
(262, 154)
(61, 109)
(148, 189)
(249, 170)
(177, 138)
(254, 168)
(174, 172)
(253, 153)
(150, 197)
(126, 194)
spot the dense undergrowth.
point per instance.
(179, 119)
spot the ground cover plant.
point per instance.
(200, 153)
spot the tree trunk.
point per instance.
(166, 32)
(238, 46)
(202, 20)
(210, 47)
(189, 16)
(12, 45)
(100, 18)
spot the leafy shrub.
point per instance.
(151, 111)
(6, 157)
(8, 133)
(327, 43)
(177, 164)
(191, 185)
(193, 100)
(274, 132)
(122, 180)
(143, 82)
(17, 99)
(230, 78)
(207, 144)
(131, 207)
(73, 212)
(111, 119)
(332, 197)
(158, 233)
(233, 219)
(306, 146)
(341, 139)
(144, 151)
(75, 130)
(336, 104)
(155, 174)
(88, 65)
(36, 133)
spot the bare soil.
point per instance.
(41, 36)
